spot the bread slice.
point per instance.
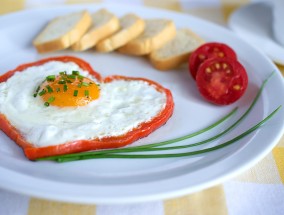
(176, 51)
(62, 32)
(157, 32)
(104, 25)
(131, 27)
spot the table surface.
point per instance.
(260, 190)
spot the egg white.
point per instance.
(122, 106)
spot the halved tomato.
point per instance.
(221, 80)
(206, 51)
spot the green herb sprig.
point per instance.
(50, 78)
(152, 147)
(185, 154)
(213, 125)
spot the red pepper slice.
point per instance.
(143, 130)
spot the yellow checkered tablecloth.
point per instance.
(259, 190)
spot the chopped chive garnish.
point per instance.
(80, 77)
(35, 94)
(87, 93)
(68, 81)
(61, 82)
(75, 93)
(85, 84)
(62, 73)
(98, 85)
(65, 88)
(75, 73)
(46, 104)
(79, 85)
(71, 76)
(49, 89)
(58, 89)
(50, 78)
(41, 93)
(51, 99)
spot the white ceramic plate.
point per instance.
(121, 181)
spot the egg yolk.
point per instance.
(68, 90)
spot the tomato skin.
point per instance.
(221, 81)
(143, 130)
(206, 51)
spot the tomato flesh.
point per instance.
(206, 51)
(221, 81)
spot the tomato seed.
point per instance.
(221, 54)
(217, 65)
(225, 66)
(208, 70)
(237, 87)
(201, 56)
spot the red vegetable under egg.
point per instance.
(136, 133)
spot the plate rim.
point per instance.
(152, 197)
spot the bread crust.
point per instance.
(123, 36)
(96, 34)
(170, 63)
(67, 39)
(145, 45)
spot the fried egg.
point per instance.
(58, 102)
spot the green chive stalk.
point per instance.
(185, 154)
(151, 147)
(153, 144)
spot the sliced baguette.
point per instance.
(104, 25)
(176, 51)
(131, 27)
(62, 32)
(157, 33)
